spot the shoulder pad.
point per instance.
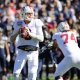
(19, 23)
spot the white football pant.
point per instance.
(20, 61)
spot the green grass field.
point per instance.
(50, 77)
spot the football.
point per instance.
(23, 32)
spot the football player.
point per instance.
(28, 46)
(67, 42)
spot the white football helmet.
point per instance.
(63, 26)
(26, 10)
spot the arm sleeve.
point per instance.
(39, 33)
(15, 29)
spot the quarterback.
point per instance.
(67, 42)
(30, 34)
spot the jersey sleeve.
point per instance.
(39, 23)
(39, 31)
(15, 30)
(16, 26)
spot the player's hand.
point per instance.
(8, 58)
(19, 31)
(30, 33)
(27, 29)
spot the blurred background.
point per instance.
(51, 12)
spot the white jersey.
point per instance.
(35, 27)
(67, 42)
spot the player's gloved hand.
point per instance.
(30, 34)
(8, 58)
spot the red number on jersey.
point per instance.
(72, 37)
(66, 37)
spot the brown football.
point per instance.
(23, 32)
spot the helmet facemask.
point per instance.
(27, 10)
